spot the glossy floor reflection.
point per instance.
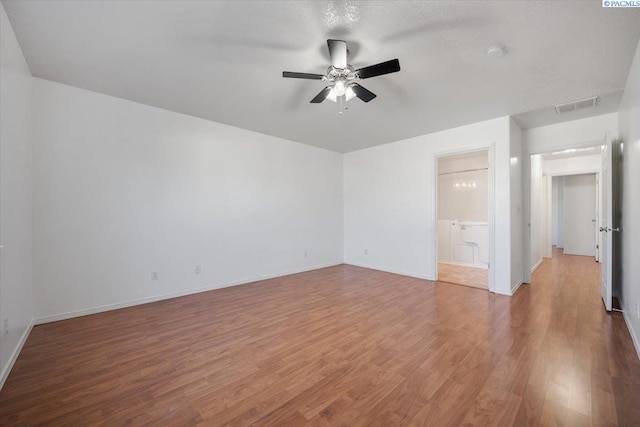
(339, 346)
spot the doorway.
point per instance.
(575, 214)
(463, 241)
(564, 203)
(587, 215)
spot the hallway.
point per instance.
(586, 356)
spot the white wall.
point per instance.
(464, 203)
(546, 247)
(123, 189)
(573, 134)
(560, 242)
(554, 211)
(515, 161)
(389, 219)
(457, 163)
(630, 133)
(537, 208)
(557, 213)
(572, 165)
(15, 197)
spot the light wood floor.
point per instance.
(462, 275)
(339, 346)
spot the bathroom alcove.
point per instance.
(463, 219)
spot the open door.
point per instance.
(610, 218)
(606, 270)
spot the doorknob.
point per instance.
(617, 229)
(603, 229)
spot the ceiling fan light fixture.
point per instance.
(344, 77)
(339, 87)
(349, 93)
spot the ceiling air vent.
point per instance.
(576, 105)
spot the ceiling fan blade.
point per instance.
(362, 93)
(310, 76)
(338, 53)
(392, 66)
(322, 95)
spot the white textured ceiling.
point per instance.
(223, 60)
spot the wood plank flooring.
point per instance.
(339, 346)
(463, 275)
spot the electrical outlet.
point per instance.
(6, 326)
(638, 310)
(154, 275)
(198, 269)
(366, 251)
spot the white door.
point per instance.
(606, 270)
(580, 214)
(596, 220)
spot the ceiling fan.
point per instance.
(343, 77)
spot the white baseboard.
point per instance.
(499, 292)
(14, 355)
(634, 336)
(401, 273)
(516, 287)
(535, 267)
(130, 303)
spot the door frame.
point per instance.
(490, 149)
(547, 244)
(526, 200)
